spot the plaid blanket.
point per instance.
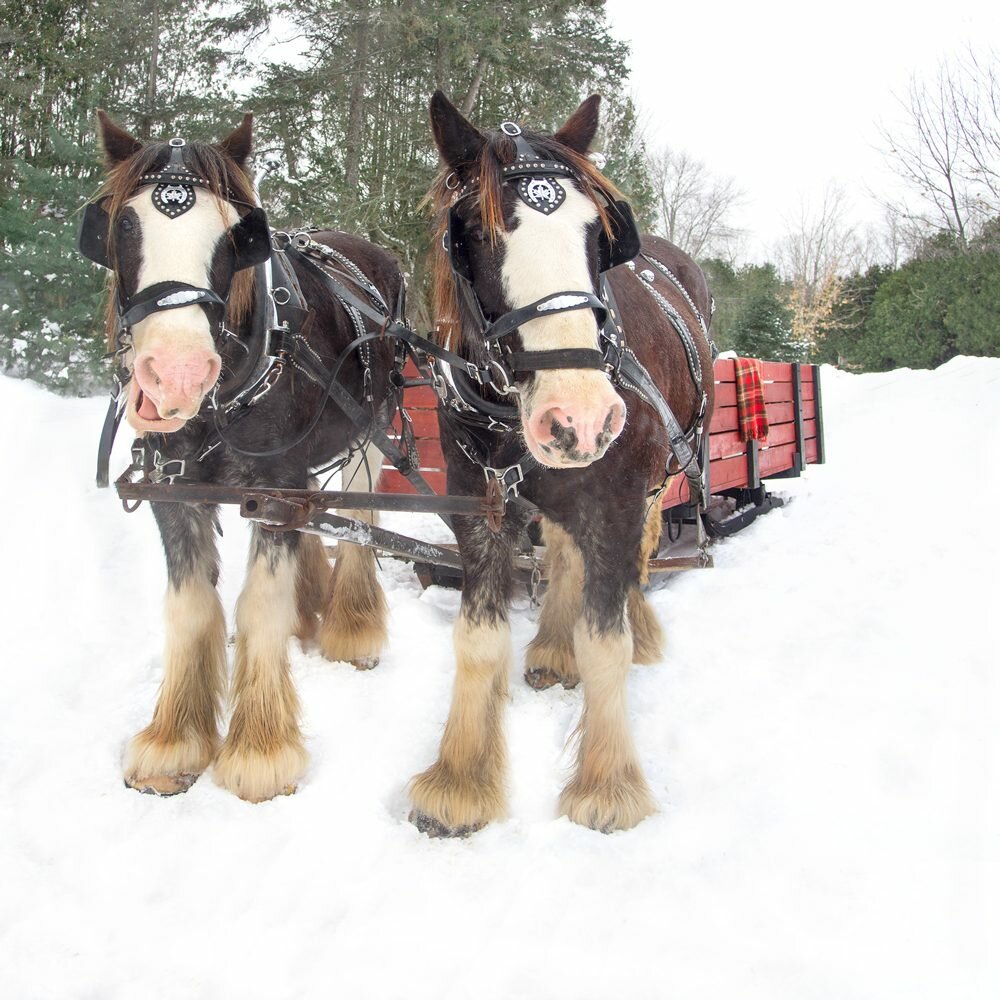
(750, 399)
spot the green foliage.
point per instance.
(346, 123)
(50, 297)
(350, 126)
(751, 316)
(626, 156)
(934, 308)
(840, 340)
(764, 329)
(63, 59)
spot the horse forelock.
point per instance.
(498, 151)
(226, 180)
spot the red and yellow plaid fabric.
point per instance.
(750, 399)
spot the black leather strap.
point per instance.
(169, 295)
(550, 305)
(563, 359)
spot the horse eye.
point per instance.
(125, 224)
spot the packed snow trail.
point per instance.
(821, 739)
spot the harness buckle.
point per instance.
(504, 386)
(497, 425)
(270, 380)
(508, 479)
(439, 383)
(166, 469)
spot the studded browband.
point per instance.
(537, 185)
(175, 183)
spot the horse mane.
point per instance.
(498, 151)
(226, 180)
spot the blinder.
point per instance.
(627, 241)
(455, 245)
(93, 242)
(251, 240)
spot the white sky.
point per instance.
(786, 97)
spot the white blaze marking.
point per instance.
(547, 254)
(179, 249)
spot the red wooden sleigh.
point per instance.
(794, 440)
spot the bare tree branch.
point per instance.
(692, 206)
(948, 148)
(818, 249)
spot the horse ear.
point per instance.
(458, 141)
(579, 131)
(117, 144)
(237, 146)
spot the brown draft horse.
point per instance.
(176, 223)
(599, 455)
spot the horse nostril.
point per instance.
(150, 371)
(171, 413)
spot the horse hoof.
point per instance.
(365, 662)
(163, 785)
(541, 678)
(434, 828)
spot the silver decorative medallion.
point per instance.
(543, 194)
(541, 190)
(173, 199)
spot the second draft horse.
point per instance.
(601, 340)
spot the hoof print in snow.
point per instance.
(541, 678)
(434, 828)
(163, 785)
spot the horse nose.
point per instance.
(577, 431)
(177, 381)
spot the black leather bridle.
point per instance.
(173, 194)
(537, 185)
(613, 356)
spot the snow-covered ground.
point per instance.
(822, 738)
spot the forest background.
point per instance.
(341, 125)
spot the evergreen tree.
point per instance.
(943, 303)
(751, 313)
(764, 329)
(841, 337)
(350, 126)
(63, 59)
(346, 123)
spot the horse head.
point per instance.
(528, 221)
(174, 223)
